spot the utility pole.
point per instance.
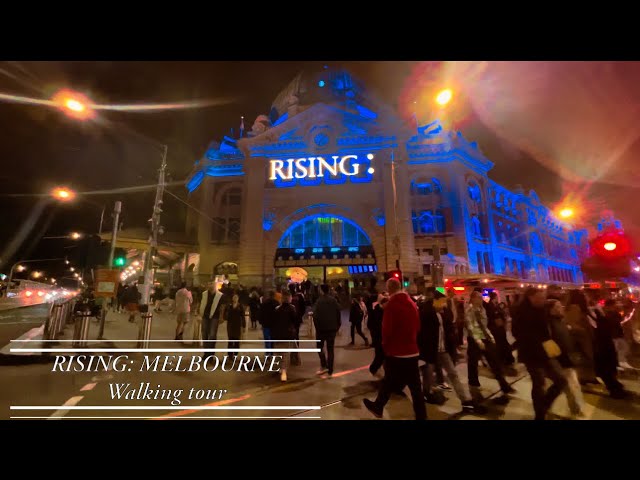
(116, 222)
(155, 230)
(117, 208)
(396, 239)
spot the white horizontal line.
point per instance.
(159, 350)
(168, 341)
(159, 407)
(170, 418)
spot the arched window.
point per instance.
(480, 263)
(226, 225)
(426, 221)
(421, 188)
(477, 229)
(324, 231)
(474, 192)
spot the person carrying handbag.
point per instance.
(538, 351)
(567, 358)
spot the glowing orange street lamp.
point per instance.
(566, 212)
(63, 194)
(74, 104)
(444, 97)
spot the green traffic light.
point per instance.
(120, 262)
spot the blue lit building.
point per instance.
(333, 182)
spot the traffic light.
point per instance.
(119, 257)
(397, 274)
(611, 245)
(610, 256)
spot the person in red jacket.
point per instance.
(400, 327)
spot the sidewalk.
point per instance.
(120, 333)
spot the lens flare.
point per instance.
(77, 105)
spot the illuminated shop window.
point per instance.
(324, 231)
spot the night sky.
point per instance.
(555, 127)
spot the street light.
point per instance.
(566, 212)
(72, 269)
(36, 274)
(444, 96)
(21, 268)
(63, 194)
(74, 104)
(75, 235)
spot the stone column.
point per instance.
(252, 241)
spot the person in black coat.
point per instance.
(531, 329)
(356, 317)
(437, 341)
(266, 317)
(606, 356)
(562, 336)
(234, 315)
(375, 328)
(284, 331)
(497, 324)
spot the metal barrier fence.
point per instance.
(60, 314)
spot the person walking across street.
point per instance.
(497, 323)
(184, 299)
(234, 314)
(538, 351)
(481, 344)
(437, 342)
(267, 315)
(375, 327)
(284, 331)
(357, 316)
(400, 328)
(606, 357)
(326, 319)
(582, 327)
(561, 335)
(210, 310)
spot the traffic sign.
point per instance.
(106, 283)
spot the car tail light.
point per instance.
(28, 293)
(40, 293)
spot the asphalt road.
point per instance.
(18, 321)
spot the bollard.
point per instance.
(51, 327)
(81, 329)
(69, 313)
(144, 333)
(61, 322)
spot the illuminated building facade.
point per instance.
(334, 183)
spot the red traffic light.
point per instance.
(611, 245)
(397, 274)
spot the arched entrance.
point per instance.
(330, 248)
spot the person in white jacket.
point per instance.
(210, 309)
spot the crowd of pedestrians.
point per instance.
(564, 337)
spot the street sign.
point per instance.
(106, 283)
